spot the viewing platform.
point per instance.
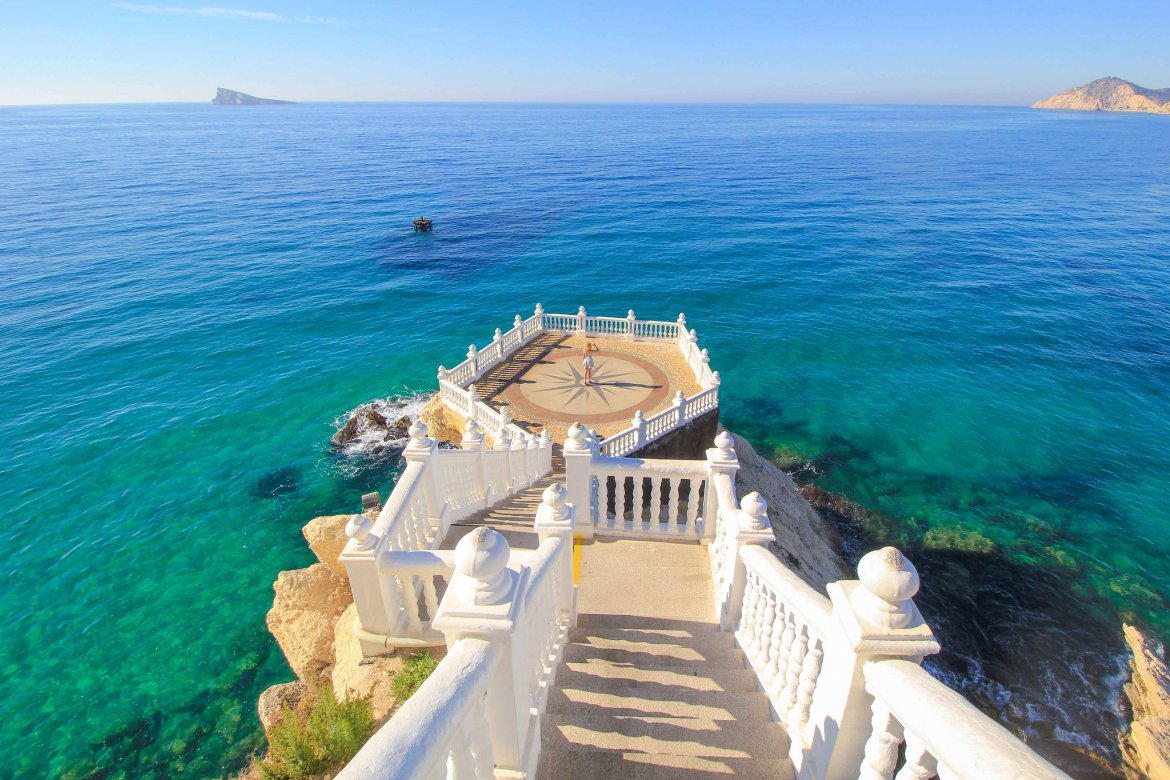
(626, 617)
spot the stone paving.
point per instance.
(543, 383)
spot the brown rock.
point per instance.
(326, 538)
(304, 611)
(1146, 747)
(1110, 94)
(399, 430)
(805, 540)
(357, 677)
(443, 424)
(274, 700)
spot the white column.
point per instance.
(423, 449)
(721, 459)
(680, 408)
(873, 617)
(630, 321)
(639, 425)
(578, 452)
(682, 326)
(504, 444)
(518, 326)
(473, 356)
(498, 344)
(750, 527)
(581, 321)
(520, 457)
(539, 312)
(472, 400)
(545, 451)
(554, 518)
(532, 457)
(375, 595)
(473, 442)
(483, 600)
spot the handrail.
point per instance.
(812, 607)
(430, 727)
(939, 725)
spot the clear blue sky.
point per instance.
(851, 51)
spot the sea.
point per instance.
(952, 324)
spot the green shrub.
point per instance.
(415, 671)
(320, 742)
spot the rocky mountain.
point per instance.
(229, 97)
(1110, 94)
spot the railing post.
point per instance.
(750, 526)
(581, 321)
(483, 600)
(578, 452)
(473, 442)
(545, 452)
(519, 445)
(721, 459)
(498, 343)
(423, 449)
(714, 381)
(639, 426)
(539, 312)
(374, 594)
(518, 326)
(874, 617)
(472, 400)
(442, 373)
(532, 458)
(630, 323)
(680, 406)
(692, 346)
(504, 444)
(682, 326)
(554, 518)
(473, 356)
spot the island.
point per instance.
(229, 97)
(1110, 94)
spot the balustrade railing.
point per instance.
(394, 592)
(653, 498)
(505, 618)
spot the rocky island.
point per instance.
(229, 97)
(1110, 94)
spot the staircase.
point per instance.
(648, 686)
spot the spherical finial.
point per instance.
(470, 350)
(472, 390)
(580, 311)
(505, 415)
(481, 558)
(516, 321)
(472, 429)
(888, 583)
(725, 446)
(358, 528)
(679, 398)
(555, 495)
(499, 334)
(418, 431)
(704, 356)
(538, 310)
(755, 509)
(715, 378)
(682, 318)
(545, 436)
(639, 419)
(630, 315)
(692, 335)
(442, 372)
(578, 433)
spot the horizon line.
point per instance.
(527, 103)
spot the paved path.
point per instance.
(542, 383)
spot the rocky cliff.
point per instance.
(1110, 94)
(229, 97)
(1146, 746)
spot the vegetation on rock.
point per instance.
(414, 673)
(318, 739)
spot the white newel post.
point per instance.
(581, 321)
(484, 600)
(442, 374)
(532, 457)
(578, 452)
(630, 322)
(680, 407)
(423, 449)
(518, 326)
(498, 344)
(721, 459)
(639, 426)
(539, 313)
(519, 456)
(682, 326)
(473, 356)
(545, 451)
(750, 526)
(715, 381)
(374, 594)
(554, 518)
(473, 442)
(692, 346)
(504, 444)
(874, 618)
(472, 400)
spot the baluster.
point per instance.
(792, 669)
(881, 749)
(920, 764)
(765, 647)
(747, 620)
(636, 509)
(809, 671)
(460, 761)
(693, 502)
(776, 649)
(430, 595)
(400, 541)
(672, 507)
(655, 502)
(410, 604)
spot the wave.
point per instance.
(377, 428)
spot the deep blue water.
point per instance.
(954, 317)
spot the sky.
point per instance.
(829, 51)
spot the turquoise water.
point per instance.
(955, 317)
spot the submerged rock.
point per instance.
(1146, 746)
(370, 425)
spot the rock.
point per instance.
(326, 538)
(363, 420)
(1110, 94)
(806, 542)
(304, 611)
(443, 424)
(355, 677)
(275, 699)
(1146, 746)
(399, 430)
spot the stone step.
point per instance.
(661, 701)
(701, 737)
(622, 637)
(572, 765)
(595, 620)
(642, 653)
(605, 678)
